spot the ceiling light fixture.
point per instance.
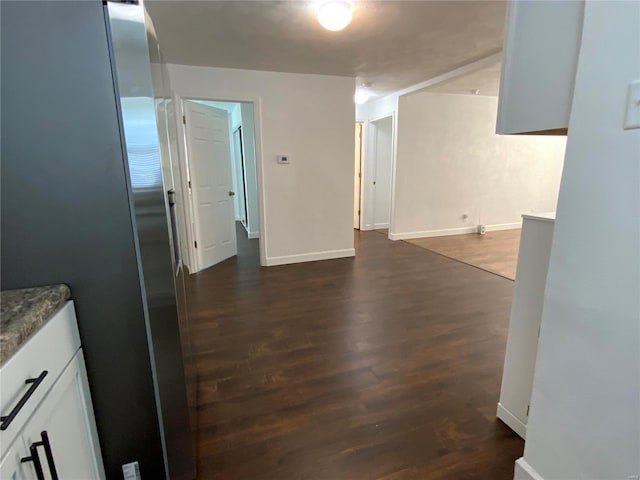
(334, 15)
(361, 96)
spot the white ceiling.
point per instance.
(486, 81)
(394, 44)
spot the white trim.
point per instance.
(502, 226)
(380, 225)
(452, 231)
(524, 471)
(511, 421)
(251, 235)
(432, 233)
(256, 100)
(458, 72)
(310, 257)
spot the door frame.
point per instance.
(369, 155)
(243, 168)
(179, 97)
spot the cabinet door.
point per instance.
(541, 46)
(11, 468)
(64, 422)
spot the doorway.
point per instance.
(220, 160)
(357, 178)
(378, 173)
(238, 161)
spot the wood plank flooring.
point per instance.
(496, 252)
(384, 366)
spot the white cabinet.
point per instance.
(66, 415)
(540, 57)
(11, 468)
(55, 428)
(524, 326)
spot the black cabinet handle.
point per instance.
(49, 454)
(37, 466)
(35, 382)
(35, 458)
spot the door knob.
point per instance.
(231, 194)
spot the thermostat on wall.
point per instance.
(284, 159)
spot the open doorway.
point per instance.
(357, 178)
(378, 174)
(220, 160)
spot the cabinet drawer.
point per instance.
(49, 349)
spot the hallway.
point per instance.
(385, 366)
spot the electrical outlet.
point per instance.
(131, 471)
(632, 117)
(481, 229)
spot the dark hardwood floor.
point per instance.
(384, 366)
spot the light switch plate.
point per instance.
(131, 471)
(632, 117)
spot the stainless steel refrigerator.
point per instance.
(89, 179)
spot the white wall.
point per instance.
(449, 162)
(585, 410)
(380, 107)
(306, 207)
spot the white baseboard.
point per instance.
(524, 471)
(380, 225)
(310, 257)
(253, 235)
(452, 231)
(502, 226)
(511, 421)
(431, 233)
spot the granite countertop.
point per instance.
(25, 310)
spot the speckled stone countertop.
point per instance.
(25, 310)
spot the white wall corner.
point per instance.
(524, 471)
(310, 257)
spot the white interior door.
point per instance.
(382, 181)
(207, 133)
